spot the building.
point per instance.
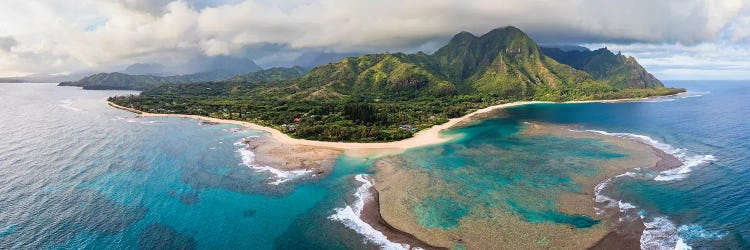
(407, 127)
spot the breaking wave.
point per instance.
(689, 160)
(659, 233)
(350, 216)
(277, 176)
(607, 201)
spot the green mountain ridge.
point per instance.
(236, 87)
(380, 97)
(503, 62)
(124, 81)
(377, 74)
(270, 75)
(616, 69)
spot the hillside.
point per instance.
(141, 76)
(390, 96)
(124, 81)
(616, 69)
(504, 62)
(271, 75)
(197, 64)
(243, 86)
(317, 58)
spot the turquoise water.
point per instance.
(440, 212)
(493, 166)
(76, 173)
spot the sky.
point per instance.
(673, 39)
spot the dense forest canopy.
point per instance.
(390, 96)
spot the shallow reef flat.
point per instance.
(532, 187)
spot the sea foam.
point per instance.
(607, 201)
(350, 216)
(689, 160)
(277, 176)
(660, 233)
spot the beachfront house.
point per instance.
(407, 127)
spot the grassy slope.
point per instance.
(366, 98)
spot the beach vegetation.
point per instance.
(371, 97)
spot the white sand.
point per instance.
(422, 138)
(425, 137)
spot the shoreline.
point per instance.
(623, 233)
(371, 213)
(424, 137)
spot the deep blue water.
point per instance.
(710, 206)
(76, 173)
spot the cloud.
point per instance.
(105, 34)
(683, 62)
(7, 42)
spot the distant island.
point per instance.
(390, 96)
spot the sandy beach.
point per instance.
(386, 216)
(425, 137)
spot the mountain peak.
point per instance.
(616, 69)
(506, 31)
(463, 36)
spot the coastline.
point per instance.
(425, 137)
(371, 213)
(395, 186)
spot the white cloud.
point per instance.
(55, 36)
(682, 62)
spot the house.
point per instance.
(407, 127)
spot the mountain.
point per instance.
(199, 64)
(377, 74)
(252, 85)
(271, 75)
(46, 78)
(503, 62)
(616, 69)
(565, 47)
(141, 76)
(124, 81)
(312, 59)
(146, 69)
(12, 80)
(228, 64)
(381, 97)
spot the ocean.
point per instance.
(79, 174)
